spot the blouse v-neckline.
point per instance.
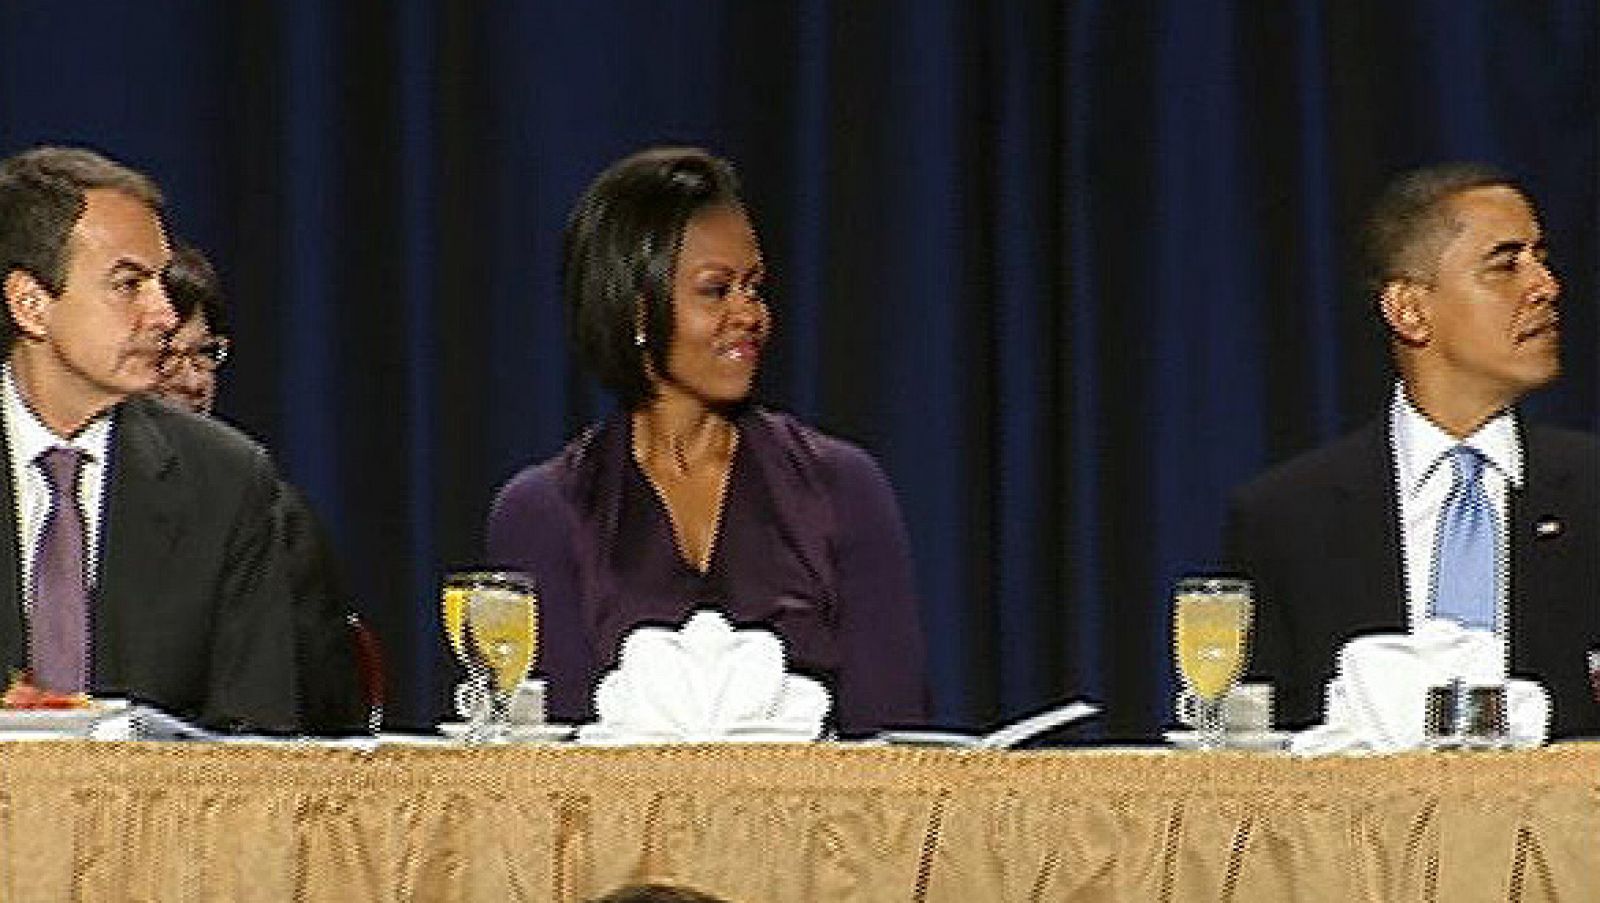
(663, 512)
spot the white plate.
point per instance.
(60, 722)
(1256, 740)
(928, 738)
(601, 735)
(772, 733)
(519, 733)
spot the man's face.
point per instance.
(1493, 329)
(189, 366)
(100, 338)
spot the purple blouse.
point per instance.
(810, 545)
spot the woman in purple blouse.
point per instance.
(692, 497)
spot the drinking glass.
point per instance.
(491, 620)
(1211, 629)
(453, 616)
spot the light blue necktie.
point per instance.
(1465, 576)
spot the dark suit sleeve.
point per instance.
(881, 680)
(253, 679)
(1555, 574)
(330, 700)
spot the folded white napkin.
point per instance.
(704, 682)
(1377, 699)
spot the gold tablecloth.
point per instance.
(132, 822)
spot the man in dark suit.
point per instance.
(144, 565)
(1363, 535)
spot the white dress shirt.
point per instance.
(1424, 476)
(27, 438)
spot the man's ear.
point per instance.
(28, 303)
(1403, 304)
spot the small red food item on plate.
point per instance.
(22, 694)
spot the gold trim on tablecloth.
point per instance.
(770, 824)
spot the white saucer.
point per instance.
(519, 733)
(1266, 741)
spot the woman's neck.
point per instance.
(681, 438)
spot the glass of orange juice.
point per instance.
(1210, 643)
(491, 620)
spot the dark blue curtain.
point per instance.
(1070, 270)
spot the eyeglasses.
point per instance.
(206, 354)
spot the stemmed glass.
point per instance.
(1211, 628)
(491, 619)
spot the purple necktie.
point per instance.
(58, 638)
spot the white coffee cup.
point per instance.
(1247, 709)
(527, 705)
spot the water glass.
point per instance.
(491, 619)
(1210, 642)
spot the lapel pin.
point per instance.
(1547, 527)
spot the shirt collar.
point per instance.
(29, 437)
(1420, 446)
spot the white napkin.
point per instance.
(144, 722)
(1378, 696)
(705, 682)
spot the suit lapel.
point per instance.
(1541, 514)
(1543, 498)
(1368, 528)
(13, 642)
(140, 525)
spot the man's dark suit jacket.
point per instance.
(331, 698)
(189, 612)
(1320, 536)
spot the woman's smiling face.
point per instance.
(720, 319)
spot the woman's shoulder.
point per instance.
(561, 475)
(783, 436)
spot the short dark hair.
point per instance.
(1410, 221)
(192, 285)
(42, 198)
(657, 893)
(621, 250)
